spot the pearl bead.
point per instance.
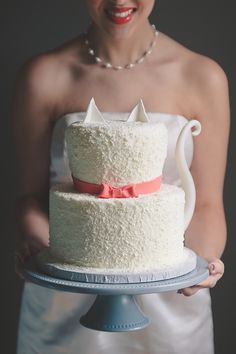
(130, 66)
(140, 60)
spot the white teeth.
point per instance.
(121, 14)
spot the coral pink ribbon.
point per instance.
(105, 190)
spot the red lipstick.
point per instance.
(120, 15)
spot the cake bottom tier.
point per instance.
(122, 235)
(49, 265)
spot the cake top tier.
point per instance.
(116, 152)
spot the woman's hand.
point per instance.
(216, 271)
(33, 232)
(27, 248)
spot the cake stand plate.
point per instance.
(115, 308)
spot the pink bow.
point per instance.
(108, 191)
(105, 190)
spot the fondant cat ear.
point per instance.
(138, 114)
(93, 115)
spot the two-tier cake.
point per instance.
(117, 221)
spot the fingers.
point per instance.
(21, 254)
(216, 267)
(216, 271)
(189, 291)
(211, 281)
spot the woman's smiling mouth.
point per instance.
(120, 15)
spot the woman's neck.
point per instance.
(120, 49)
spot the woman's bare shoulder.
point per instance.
(49, 75)
(205, 73)
(207, 85)
(40, 75)
(199, 78)
(203, 77)
(196, 66)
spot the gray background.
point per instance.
(28, 28)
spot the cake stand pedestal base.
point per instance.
(115, 308)
(115, 313)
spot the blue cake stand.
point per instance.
(115, 308)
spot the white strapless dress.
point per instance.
(49, 319)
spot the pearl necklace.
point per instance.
(108, 65)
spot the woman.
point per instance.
(170, 79)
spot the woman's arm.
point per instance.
(32, 111)
(206, 234)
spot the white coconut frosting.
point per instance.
(127, 233)
(118, 153)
